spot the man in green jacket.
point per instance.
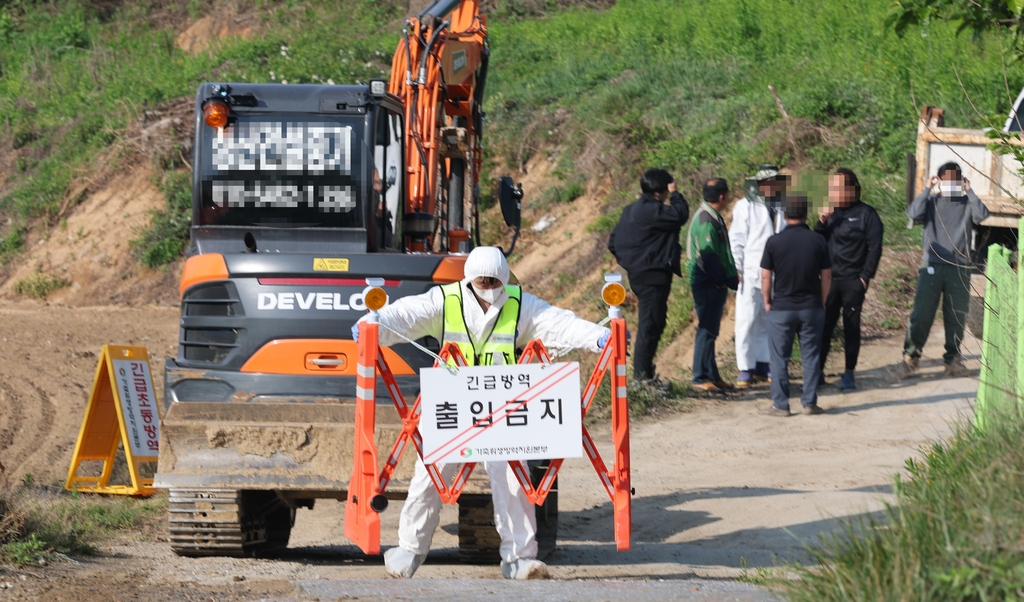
(712, 275)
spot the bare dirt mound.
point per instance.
(49, 355)
(91, 249)
(84, 252)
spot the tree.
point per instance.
(977, 16)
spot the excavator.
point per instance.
(300, 193)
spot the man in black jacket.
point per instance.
(854, 234)
(645, 242)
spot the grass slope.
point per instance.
(683, 84)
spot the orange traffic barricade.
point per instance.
(366, 490)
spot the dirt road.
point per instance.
(717, 489)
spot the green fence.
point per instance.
(1002, 346)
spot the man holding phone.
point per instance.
(645, 242)
(949, 210)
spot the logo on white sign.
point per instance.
(495, 413)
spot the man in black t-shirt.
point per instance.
(799, 261)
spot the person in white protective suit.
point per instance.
(495, 319)
(754, 219)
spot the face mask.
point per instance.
(488, 295)
(774, 201)
(951, 189)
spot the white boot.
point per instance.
(401, 563)
(524, 568)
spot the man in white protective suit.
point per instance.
(488, 319)
(755, 218)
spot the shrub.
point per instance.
(40, 285)
(168, 232)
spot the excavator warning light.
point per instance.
(215, 113)
(378, 87)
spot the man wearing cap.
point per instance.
(755, 218)
(488, 319)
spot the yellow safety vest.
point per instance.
(502, 338)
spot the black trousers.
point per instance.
(650, 324)
(846, 297)
(709, 302)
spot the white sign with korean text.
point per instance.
(505, 412)
(138, 405)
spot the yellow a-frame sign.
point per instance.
(122, 409)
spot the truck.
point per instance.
(299, 194)
(994, 177)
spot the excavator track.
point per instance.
(224, 522)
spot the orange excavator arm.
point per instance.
(438, 71)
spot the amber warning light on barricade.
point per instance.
(373, 295)
(375, 298)
(215, 114)
(613, 293)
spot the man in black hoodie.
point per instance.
(645, 242)
(854, 234)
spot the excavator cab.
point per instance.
(297, 199)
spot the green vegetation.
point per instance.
(36, 521)
(167, 235)
(954, 534)
(681, 84)
(39, 285)
(684, 85)
(75, 73)
(11, 244)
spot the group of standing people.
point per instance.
(792, 281)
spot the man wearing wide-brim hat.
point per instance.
(754, 219)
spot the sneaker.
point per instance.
(848, 383)
(957, 369)
(908, 367)
(813, 410)
(721, 384)
(746, 379)
(708, 387)
(524, 568)
(762, 372)
(774, 411)
(401, 563)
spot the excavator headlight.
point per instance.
(378, 87)
(216, 113)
